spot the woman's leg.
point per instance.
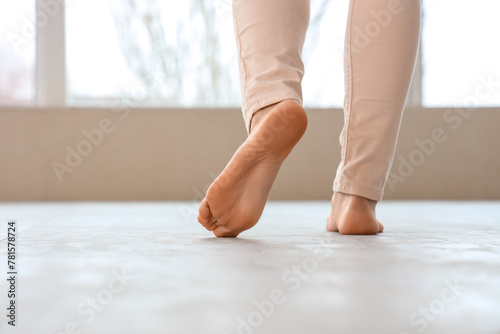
(380, 48)
(270, 35)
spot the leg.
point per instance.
(270, 35)
(381, 44)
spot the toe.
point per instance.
(204, 214)
(212, 224)
(222, 231)
(380, 226)
(331, 225)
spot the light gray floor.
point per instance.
(150, 268)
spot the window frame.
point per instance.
(50, 71)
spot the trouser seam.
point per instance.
(238, 41)
(348, 108)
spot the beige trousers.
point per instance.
(381, 43)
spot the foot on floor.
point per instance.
(236, 199)
(353, 215)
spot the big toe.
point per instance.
(224, 232)
(380, 226)
(205, 217)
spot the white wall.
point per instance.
(159, 154)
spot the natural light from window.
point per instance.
(184, 53)
(169, 53)
(461, 51)
(17, 52)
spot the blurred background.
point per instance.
(165, 75)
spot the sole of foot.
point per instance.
(236, 199)
(353, 215)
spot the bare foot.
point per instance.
(353, 215)
(236, 199)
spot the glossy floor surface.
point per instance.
(150, 268)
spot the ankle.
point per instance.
(352, 214)
(259, 116)
(354, 202)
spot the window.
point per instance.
(169, 53)
(461, 51)
(17, 57)
(183, 53)
(175, 53)
(323, 54)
